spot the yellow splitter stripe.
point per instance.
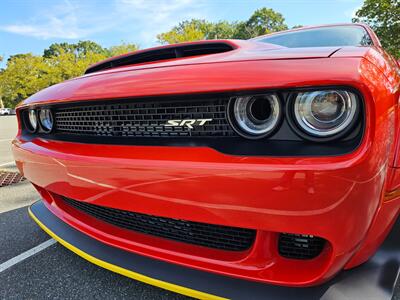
(128, 273)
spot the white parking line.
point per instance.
(7, 163)
(13, 261)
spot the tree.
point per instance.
(121, 49)
(80, 49)
(67, 65)
(185, 31)
(20, 55)
(84, 48)
(263, 21)
(24, 75)
(384, 18)
(222, 30)
(57, 48)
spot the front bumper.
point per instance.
(335, 198)
(366, 280)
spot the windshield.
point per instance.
(321, 37)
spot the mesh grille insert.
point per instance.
(202, 234)
(300, 246)
(145, 119)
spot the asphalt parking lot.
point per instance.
(51, 271)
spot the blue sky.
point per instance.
(31, 26)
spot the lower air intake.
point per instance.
(300, 246)
(202, 234)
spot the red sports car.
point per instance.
(271, 160)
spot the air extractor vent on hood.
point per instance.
(161, 54)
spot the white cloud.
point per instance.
(60, 21)
(150, 17)
(76, 20)
(351, 13)
(159, 11)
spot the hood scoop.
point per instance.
(162, 53)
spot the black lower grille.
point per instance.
(202, 234)
(146, 119)
(300, 246)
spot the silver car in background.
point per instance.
(7, 111)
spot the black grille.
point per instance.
(300, 246)
(203, 234)
(145, 119)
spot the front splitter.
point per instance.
(373, 280)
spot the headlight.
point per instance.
(324, 113)
(255, 117)
(46, 119)
(33, 122)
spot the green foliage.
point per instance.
(26, 74)
(80, 49)
(297, 26)
(121, 49)
(23, 76)
(384, 17)
(67, 65)
(185, 31)
(222, 30)
(262, 21)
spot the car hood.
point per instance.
(249, 65)
(241, 51)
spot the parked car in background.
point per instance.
(275, 159)
(6, 111)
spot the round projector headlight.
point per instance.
(325, 113)
(33, 122)
(46, 119)
(255, 117)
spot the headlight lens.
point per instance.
(255, 116)
(33, 122)
(325, 113)
(46, 119)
